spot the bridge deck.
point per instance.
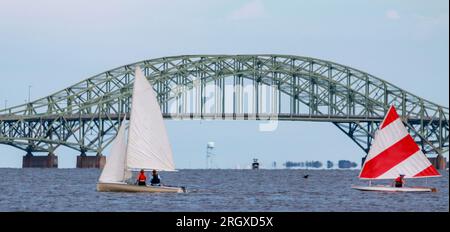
(211, 116)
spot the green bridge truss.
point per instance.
(85, 116)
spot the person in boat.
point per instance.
(142, 179)
(156, 180)
(400, 181)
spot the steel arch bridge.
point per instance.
(85, 116)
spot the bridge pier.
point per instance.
(49, 161)
(439, 162)
(84, 161)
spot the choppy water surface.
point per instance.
(214, 190)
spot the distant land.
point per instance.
(342, 164)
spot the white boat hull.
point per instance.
(123, 187)
(394, 189)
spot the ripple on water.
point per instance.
(214, 190)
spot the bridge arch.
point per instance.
(85, 116)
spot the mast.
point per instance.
(127, 171)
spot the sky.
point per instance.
(51, 44)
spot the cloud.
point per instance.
(253, 9)
(392, 15)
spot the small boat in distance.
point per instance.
(393, 153)
(147, 146)
(255, 164)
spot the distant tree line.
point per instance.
(308, 164)
(317, 164)
(347, 164)
(329, 164)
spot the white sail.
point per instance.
(148, 143)
(114, 170)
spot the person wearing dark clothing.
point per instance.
(156, 181)
(142, 179)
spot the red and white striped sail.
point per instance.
(394, 152)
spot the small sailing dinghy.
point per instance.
(147, 146)
(393, 153)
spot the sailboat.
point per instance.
(393, 153)
(146, 147)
